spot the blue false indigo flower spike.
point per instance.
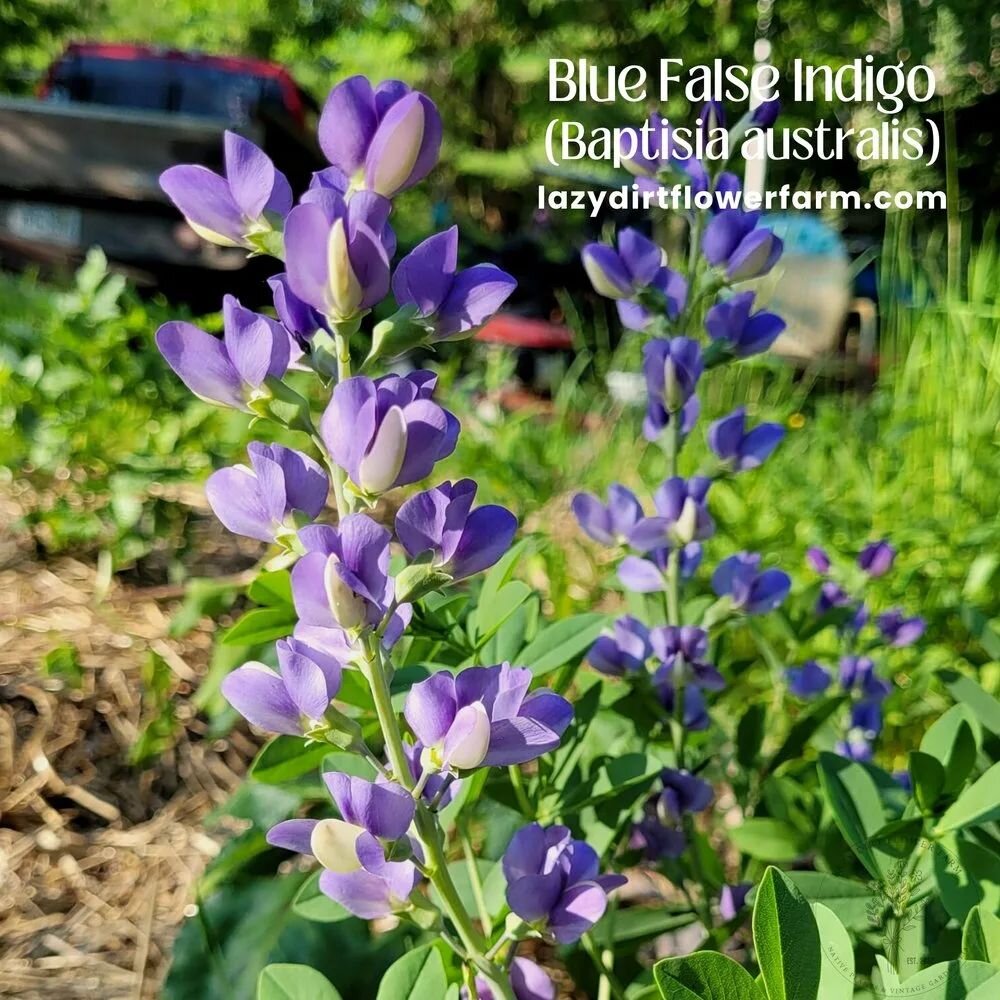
(231, 371)
(738, 448)
(463, 541)
(876, 558)
(732, 241)
(747, 333)
(766, 113)
(484, 717)
(230, 211)
(658, 419)
(387, 432)
(818, 560)
(898, 630)
(623, 652)
(266, 500)
(695, 712)
(383, 139)
(289, 701)
(682, 793)
(297, 317)
(554, 882)
(335, 254)
(351, 850)
(751, 591)
(682, 502)
(638, 264)
(528, 980)
(655, 840)
(672, 369)
(807, 681)
(683, 649)
(451, 303)
(342, 580)
(732, 899)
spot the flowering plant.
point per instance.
(435, 703)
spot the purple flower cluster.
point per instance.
(659, 834)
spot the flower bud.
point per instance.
(345, 289)
(333, 842)
(398, 154)
(686, 526)
(469, 737)
(606, 271)
(348, 608)
(381, 464)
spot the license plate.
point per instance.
(45, 223)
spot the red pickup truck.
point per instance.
(79, 164)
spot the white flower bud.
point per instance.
(345, 289)
(380, 467)
(348, 607)
(468, 752)
(333, 841)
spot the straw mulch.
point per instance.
(97, 858)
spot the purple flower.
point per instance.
(290, 701)
(695, 711)
(876, 558)
(528, 980)
(335, 253)
(732, 899)
(857, 673)
(620, 521)
(672, 369)
(683, 503)
(866, 715)
(682, 793)
(388, 432)
(818, 559)
(662, 156)
(352, 850)
(856, 747)
(831, 595)
(231, 371)
(623, 274)
(683, 649)
(342, 580)
(655, 840)
(435, 784)
(752, 592)
(646, 576)
(898, 630)
(747, 333)
(484, 717)
(739, 448)
(248, 202)
(451, 303)
(553, 881)
(766, 113)
(384, 139)
(658, 419)
(625, 651)
(463, 541)
(267, 500)
(733, 242)
(297, 317)
(808, 680)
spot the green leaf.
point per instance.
(850, 901)
(786, 939)
(272, 589)
(490, 617)
(769, 839)
(286, 758)
(313, 904)
(705, 975)
(836, 981)
(981, 936)
(927, 775)
(940, 737)
(898, 838)
(957, 980)
(294, 982)
(802, 732)
(418, 975)
(967, 874)
(978, 804)
(63, 662)
(261, 625)
(636, 924)
(962, 758)
(561, 642)
(857, 809)
(984, 707)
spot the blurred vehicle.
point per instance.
(79, 165)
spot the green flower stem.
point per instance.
(608, 986)
(520, 792)
(475, 880)
(373, 668)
